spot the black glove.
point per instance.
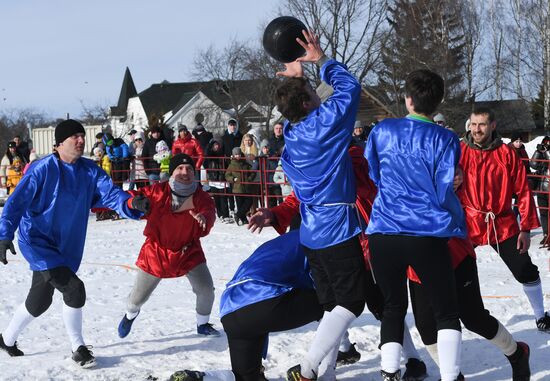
(141, 203)
(5, 244)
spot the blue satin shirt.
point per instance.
(275, 268)
(412, 161)
(51, 205)
(316, 161)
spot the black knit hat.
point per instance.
(180, 159)
(66, 129)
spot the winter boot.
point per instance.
(187, 375)
(125, 326)
(460, 377)
(395, 376)
(84, 357)
(543, 324)
(520, 363)
(13, 351)
(207, 329)
(349, 357)
(415, 370)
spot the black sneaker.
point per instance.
(395, 376)
(187, 375)
(520, 363)
(293, 374)
(415, 370)
(543, 324)
(84, 357)
(13, 351)
(349, 357)
(544, 240)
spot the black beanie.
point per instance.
(180, 159)
(66, 129)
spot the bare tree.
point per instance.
(472, 27)
(495, 14)
(94, 114)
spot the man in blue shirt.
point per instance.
(51, 206)
(412, 161)
(316, 161)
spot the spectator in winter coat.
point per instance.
(202, 136)
(359, 134)
(167, 134)
(240, 175)
(22, 149)
(248, 146)
(181, 213)
(162, 157)
(189, 146)
(231, 138)
(280, 178)
(11, 168)
(98, 143)
(137, 168)
(215, 170)
(51, 206)
(540, 183)
(517, 145)
(268, 165)
(152, 168)
(118, 153)
(493, 173)
(277, 140)
(32, 157)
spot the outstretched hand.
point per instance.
(200, 218)
(141, 203)
(263, 217)
(6, 245)
(313, 54)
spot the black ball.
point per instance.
(280, 39)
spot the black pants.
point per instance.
(472, 312)
(119, 171)
(44, 283)
(222, 209)
(339, 275)
(429, 256)
(248, 328)
(542, 200)
(274, 190)
(520, 265)
(243, 206)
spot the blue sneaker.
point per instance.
(125, 326)
(207, 329)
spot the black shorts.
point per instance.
(338, 272)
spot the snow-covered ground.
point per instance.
(164, 339)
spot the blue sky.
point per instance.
(56, 52)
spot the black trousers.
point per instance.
(520, 265)
(248, 328)
(339, 275)
(472, 312)
(274, 190)
(243, 206)
(391, 255)
(43, 285)
(222, 209)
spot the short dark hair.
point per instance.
(426, 89)
(232, 122)
(290, 97)
(482, 110)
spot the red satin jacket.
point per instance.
(172, 247)
(491, 177)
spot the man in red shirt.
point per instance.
(493, 173)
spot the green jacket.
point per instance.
(235, 175)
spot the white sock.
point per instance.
(328, 336)
(72, 317)
(409, 350)
(21, 318)
(327, 369)
(218, 375)
(534, 294)
(434, 354)
(448, 346)
(345, 344)
(504, 341)
(202, 319)
(132, 315)
(390, 358)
